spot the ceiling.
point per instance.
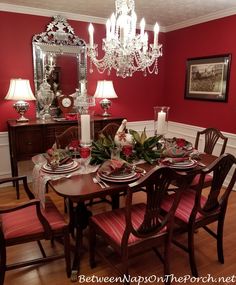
(170, 14)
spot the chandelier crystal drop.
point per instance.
(125, 51)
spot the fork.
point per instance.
(101, 181)
(96, 181)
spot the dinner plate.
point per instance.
(111, 179)
(73, 167)
(119, 175)
(63, 166)
(184, 164)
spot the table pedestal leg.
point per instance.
(81, 220)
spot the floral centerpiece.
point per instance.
(141, 147)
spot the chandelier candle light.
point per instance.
(20, 90)
(125, 51)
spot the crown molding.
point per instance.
(202, 19)
(85, 18)
(50, 13)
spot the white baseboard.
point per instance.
(174, 130)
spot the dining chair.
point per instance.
(26, 222)
(65, 138)
(109, 130)
(211, 137)
(139, 227)
(196, 210)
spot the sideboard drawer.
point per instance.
(28, 142)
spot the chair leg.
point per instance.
(92, 246)
(191, 252)
(220, 251)
(2, 262)
(17, 190)
(166, 261)
(41, 248)
(67, 253)
(125, 269)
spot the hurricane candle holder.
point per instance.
(161, 120)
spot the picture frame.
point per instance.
(207, 78)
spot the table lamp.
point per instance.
(105, 91)
(20, 90)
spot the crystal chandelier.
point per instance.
(125, 51)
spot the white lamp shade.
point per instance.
(19, 89)
(105, 89)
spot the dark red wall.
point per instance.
(211, 38)
(136, 95)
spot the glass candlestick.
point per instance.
(161, 120)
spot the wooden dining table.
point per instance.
(81, 188)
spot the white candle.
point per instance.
(156, 31)
(134, 22)
(82, 87)
(108, 29)
(161, 123)
(91, 30)
(142, 27)
(113, 25)
(145, 43)
(122, 34)
(85, 129)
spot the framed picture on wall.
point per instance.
(207, 78)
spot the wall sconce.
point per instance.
(20, 90)
(105, 91)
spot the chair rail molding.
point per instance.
(175, 129)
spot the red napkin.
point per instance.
(112, 166)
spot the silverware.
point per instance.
(95, 180)
(101, 181)
(60, 177)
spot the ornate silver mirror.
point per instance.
(60, 61)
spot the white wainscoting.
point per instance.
(5, 165)
(175, 130)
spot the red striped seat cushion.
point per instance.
(113, 223)
(25, 222)
(208, 180)
(185, 206)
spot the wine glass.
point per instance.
(85, 154)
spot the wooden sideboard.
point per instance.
(36, 136)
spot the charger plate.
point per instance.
(120, 179)
(59, 170)
(182, 164)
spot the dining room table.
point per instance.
(78, 189)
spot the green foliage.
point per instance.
(101, 149)
(146, 148)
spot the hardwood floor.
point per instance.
(144, 265)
